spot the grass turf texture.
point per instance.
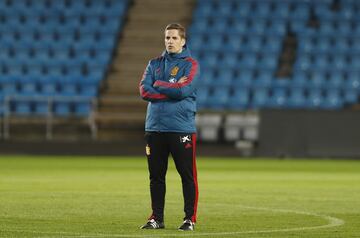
(109, 197)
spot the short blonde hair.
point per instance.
(179, 27)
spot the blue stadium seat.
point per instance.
(219, 98)
(229, 61)
(297, 98)
(262, 10)
(260, 97)
(279, 98)
(244, 78)
(240, 99)
(22, 108)
(234, 44)
(276, 28)
(202, 97)
(268, 62)
(207, 78)
(220, 26)
(28, 87)
(42, 108)
(215, 43)
(210, 60)
(351, 96)
(301, 11)
(240, 27)
(317, 79)
(257, 27)
(281, 10)
(263, 79)
(353, 81)
(315, 98)
(224, 78)
(88, 88)
(248, 61)
(336, 80)
(83, 108)
(48, 87)
(62, 108)
(333, 99)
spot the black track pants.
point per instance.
(182, 147)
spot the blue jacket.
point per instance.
(172, 105)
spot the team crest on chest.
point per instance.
(174, 71)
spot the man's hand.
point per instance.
(182, 79)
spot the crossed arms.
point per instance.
(159, 90)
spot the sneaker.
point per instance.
(153, 224)
(188, 225)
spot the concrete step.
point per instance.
(120, 119)
(120, 103)
(129, 137)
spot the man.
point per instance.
(168, 85)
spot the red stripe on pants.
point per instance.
(193, 218)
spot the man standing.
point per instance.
(168, 85)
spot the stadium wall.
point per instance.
(301, 133)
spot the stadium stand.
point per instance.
(54, 54)
(244, 45)
(56, 51)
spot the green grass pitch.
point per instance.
(109, 197)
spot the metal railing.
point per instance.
(50, 114)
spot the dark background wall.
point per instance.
(309, 133)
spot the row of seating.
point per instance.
(238, 26)
(56, 87)
(267, 9)
(237, 44)
(243, 98)
(233, 61)
(50, 58)
(315, 80)
(325, 63)
(53, 72)
(63, 7)
(56, 107)
(109, 25)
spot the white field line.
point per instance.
(331, 222)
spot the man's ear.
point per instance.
(183, 42)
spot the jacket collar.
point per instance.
(172, 56)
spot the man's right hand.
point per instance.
(182, 79)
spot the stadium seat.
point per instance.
(219, 98)
(240, 99)
(260, 97)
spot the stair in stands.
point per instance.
(287, 56)
(121, 111)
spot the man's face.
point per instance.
(173, 42)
